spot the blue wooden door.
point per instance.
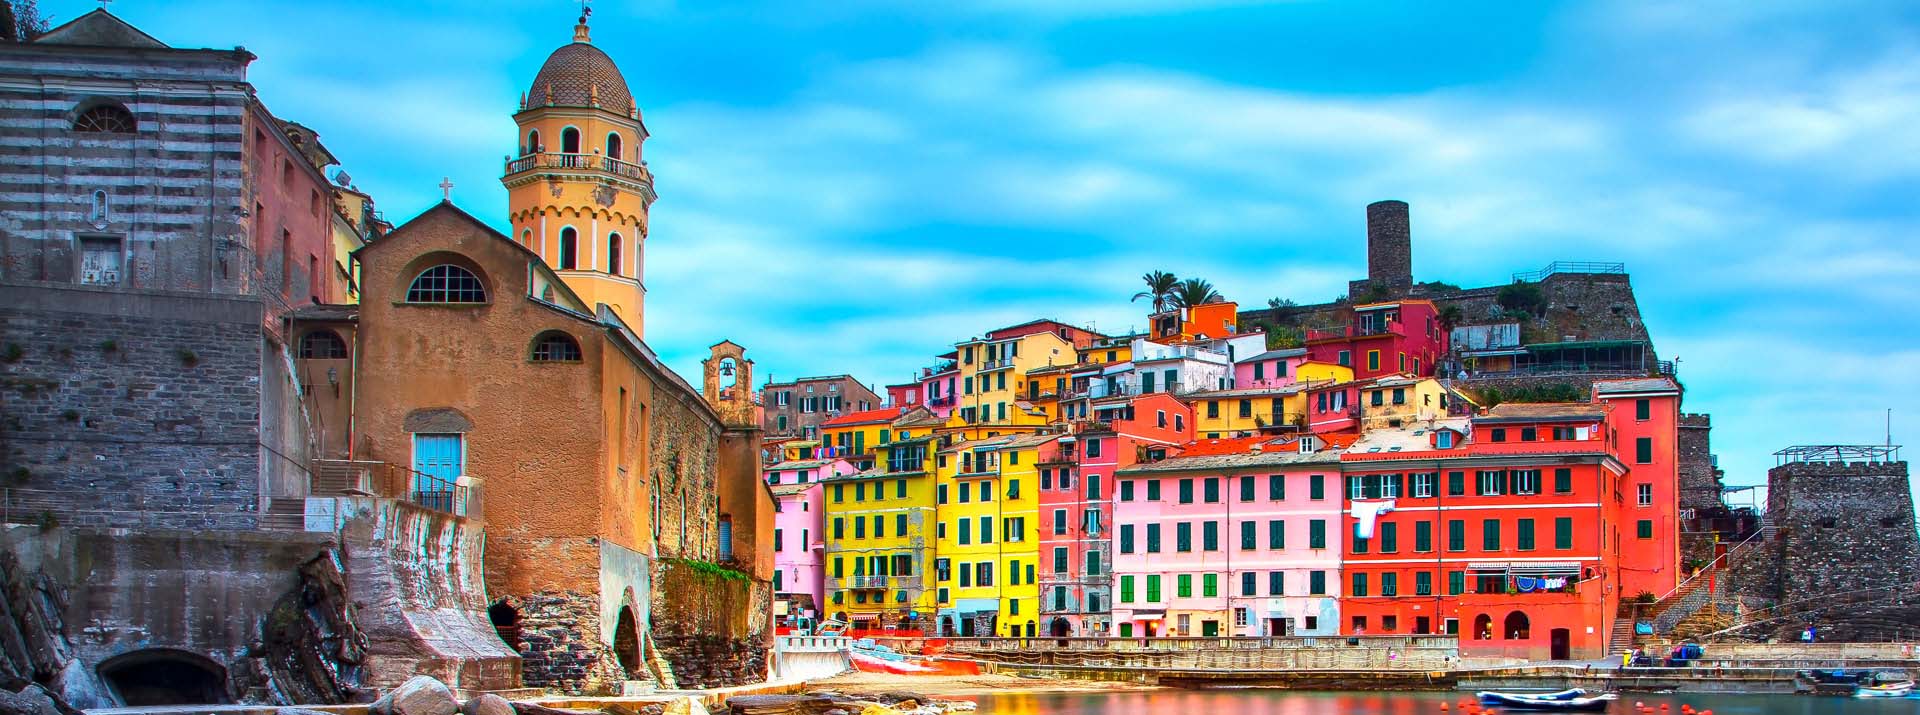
(438, 461)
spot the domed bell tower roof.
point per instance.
(580, 75)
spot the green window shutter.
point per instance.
(1249, 535)
(1317, 583)
(1490, 535)
(1126, 589)
(1645, 529)
(1457, 535)
(1359, 585)
(1210, 585)
(1317, 534)
(1563, 532)
(1153, 588)
(1562, 480)
(1523, 534)
(1277, 534)
(1317, 487)
(1423, 536)
(1184, 585)
(1389, 538)
(1456, 582)
(1643, 450)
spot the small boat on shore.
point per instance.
(1575, 700)
(1889, 690)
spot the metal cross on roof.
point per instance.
(585, 10)
(446, 188)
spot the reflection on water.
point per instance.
(1280, 702)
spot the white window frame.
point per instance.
(1644, 494)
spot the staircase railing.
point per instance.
(1692, 592)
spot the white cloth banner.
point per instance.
(1365, 513)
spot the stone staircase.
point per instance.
(1622, 638)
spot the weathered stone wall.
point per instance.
(1843, 529)
(206, 594)
(710, 624)
(1699, 479)
(130, 409)
(685, 473)
(1585, 306)
(559, 644)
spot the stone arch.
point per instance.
(441, 420)
(626, 640)
(164, 676)
(505, 617)
(1482, 627)
(1517, 627)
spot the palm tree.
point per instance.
(1194, 292)
(1160, 285)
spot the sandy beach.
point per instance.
(959, 685)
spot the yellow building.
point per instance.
(1242, 412)
(988, 504)
(879, 545)
(577, 190)
(1391, 401)
(1108, 350)
(993, 371)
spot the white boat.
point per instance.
(1890, 690)
(1575, 700)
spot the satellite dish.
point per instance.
(341, 178)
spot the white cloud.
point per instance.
(1856, 123)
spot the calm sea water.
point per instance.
(1279, 702)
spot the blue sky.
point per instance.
(848, 186)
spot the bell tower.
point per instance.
(577, 187)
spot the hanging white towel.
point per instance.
(1365, 513)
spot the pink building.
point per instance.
(1273, 368)
(940, 383)
(798, 538)
(1076, 506)
(1399, 336)
(1233, 537)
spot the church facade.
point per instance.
(507, 373)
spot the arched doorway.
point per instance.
(1483, 627)
(1516, 627)
(165, 676)
(1059, 628)
(626, 641)
(506, 623)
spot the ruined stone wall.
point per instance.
(1699, 479)
(130, 409)
(1586, 306)
(684, 442)
(709, 623)
(1845, 528)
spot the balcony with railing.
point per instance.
(555, 161)
(1000, 364)
(340, 477)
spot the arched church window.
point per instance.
(446, 283)
(570, 140)
(526, 237)
(105, 118)
(613, 253)
(555, 347)
(322, 345)
(569, 242)
(533, 141)
(613, 145)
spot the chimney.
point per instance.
(1389, 245)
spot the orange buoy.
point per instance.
(1443, 707)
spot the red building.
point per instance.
(1645, 421)
(1076, 506)
(1514, 529)
(1398, 337)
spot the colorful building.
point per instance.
(856, 435)
(1400, 400)
(1644, 415)
(799, 537)
(1501, 528)
(1200, 322)
(1273, 368)
(1382, 338)
(993, 369)
(988, 504)
(1076, 507)
(1229, 538)
(878, 545)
